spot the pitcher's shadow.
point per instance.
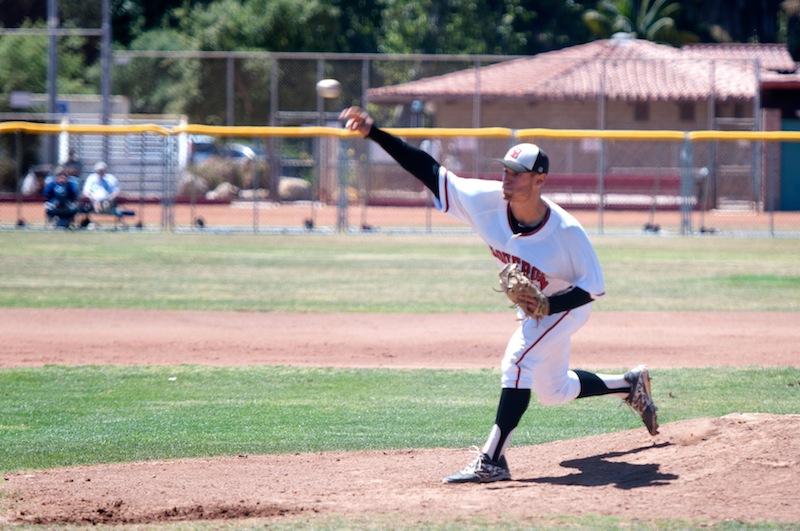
(597, 470)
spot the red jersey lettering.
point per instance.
(527, 268)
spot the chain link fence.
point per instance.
(357, 187)
(240, 180)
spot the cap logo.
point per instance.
(515, 153)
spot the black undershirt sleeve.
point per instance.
(415, 161)
(425, 168)
(569, 300)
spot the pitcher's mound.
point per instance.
(738, 467)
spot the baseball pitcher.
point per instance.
(550, 272)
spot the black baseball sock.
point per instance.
(513, 404)
(600, 384)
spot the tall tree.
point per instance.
(360, 22)
(131, 18)
(789, 26)
(13, 13)
(176, 84)
(23, 64)
(274, 25)
(480, 26)
(650, 20)
(733, 20)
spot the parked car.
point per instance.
(201, 147)
(239, 151)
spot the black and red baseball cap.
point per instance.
(526, 157)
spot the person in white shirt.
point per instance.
(102, 189)
(521, 226)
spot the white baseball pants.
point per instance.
(537, 356)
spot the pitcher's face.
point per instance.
(520, 186)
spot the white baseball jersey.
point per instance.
(100, 188)
(557, 255)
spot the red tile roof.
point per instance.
(773, 57)
(624, 69)
(773, 80)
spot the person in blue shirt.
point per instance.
(61, 199)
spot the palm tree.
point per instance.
(791, 23)
(648, 20)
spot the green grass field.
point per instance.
(56, 416)
(373, 273)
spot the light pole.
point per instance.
(52, 74)
(105, 66)
(53, 33)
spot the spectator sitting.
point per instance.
(61, 199)
(102, 189)
(32, 184)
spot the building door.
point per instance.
(790, 169)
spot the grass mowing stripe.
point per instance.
(375, 273)
(761, 281)
(55, 415)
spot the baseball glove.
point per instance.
(523, 292)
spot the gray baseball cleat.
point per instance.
(640, 399)
(482, 470)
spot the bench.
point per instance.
(117, 214)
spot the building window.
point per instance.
(686, 111)
(641, 111)
(738, 110)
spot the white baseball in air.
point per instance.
(329, 88)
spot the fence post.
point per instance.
(687, 179)
(362, 151)
(341, 208)
(142, 148)
(273, 144)
(476, 116)
(173, 176)
(601, 185)
(192, 206)
(229, 89)
(712, 180)
(167, 185)
(105, 76)
(18, 188)
(769, 203)
(256, 185)
(52, 75)
(758, 145)
(318, 145)
(601, 158)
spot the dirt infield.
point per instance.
(451, 341)
(739, 467)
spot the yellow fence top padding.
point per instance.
(407, 132)
(262, 131)
(34, 128)
(610, 134)
(779, 136)
(448, 132)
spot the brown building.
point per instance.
(642, 85)
(622, 83)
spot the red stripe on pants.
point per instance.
(519, 369)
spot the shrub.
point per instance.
(216, 170)
(8, 175)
